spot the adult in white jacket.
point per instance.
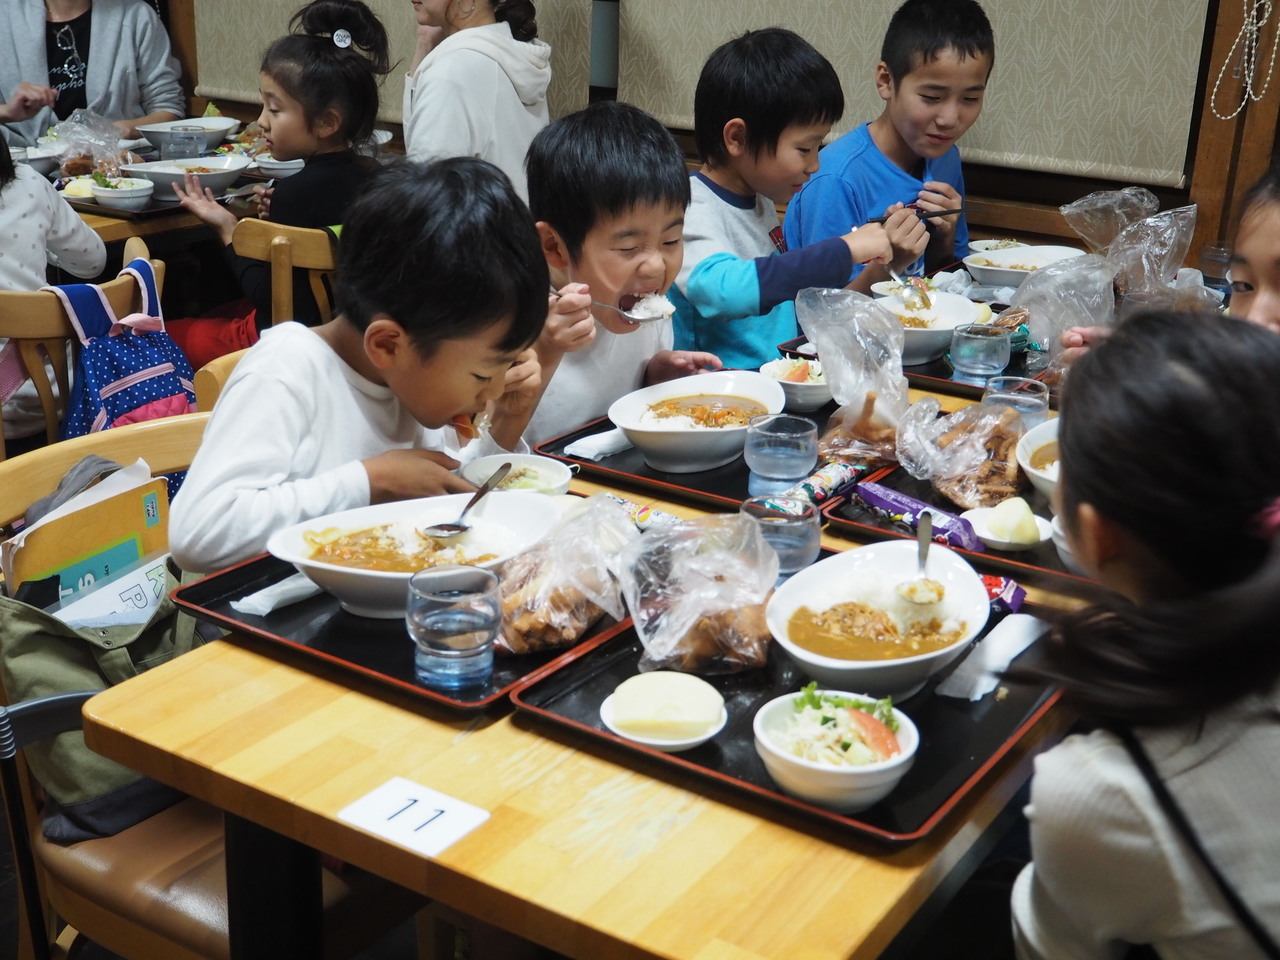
(478, 84)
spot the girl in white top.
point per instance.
(1170, 494)
(38, 228)
(477, 86)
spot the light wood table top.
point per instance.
(582, 853)
(111, 229)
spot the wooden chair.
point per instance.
(286, 248)
(157, 890)
(38, 323)
(212, 377)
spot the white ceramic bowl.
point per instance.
(844, 789)
(166, 173)
(891, 288)
(213, 129)
(684, 449)
(43, 158)
(1030, 442)
(505, 523)
(543, 474)
(1064, 548)
(798, 397)
(125, 193)
(981, 246)
(1001, 272)
(665, 744)
(978, 520)
(863, 574)
(922, 345)
(271, 167)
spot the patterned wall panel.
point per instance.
(1091, 87)
(229, 54)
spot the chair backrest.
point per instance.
(167, 444)
(286, 248)
(37, 322)
(212, 377)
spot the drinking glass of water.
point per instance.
(780, 450)
(453, 613)
(979, 350)
(791, 526)
(184, 143)
(1029, 398)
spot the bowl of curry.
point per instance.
(365, 556)
(696, 423)
(845, 625)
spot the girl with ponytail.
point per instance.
(319, 87)
(1157, 827)
(477, 85)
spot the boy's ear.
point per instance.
(553, 246)
(735, 138)
(384, 341)
(884, 82)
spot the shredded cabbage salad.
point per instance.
(840, 731)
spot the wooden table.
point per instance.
(583, 853)
(111, 229)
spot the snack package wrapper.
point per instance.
(1099, 217)
(860, 343)
(555, 590)
(897, 507)
(969, 455)
(87, 143)
(697, 590)
(1070, 293)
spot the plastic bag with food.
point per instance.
(87, 143)
(1147, 256)
(1070, 293)
(969, 456)
(1100, 216)
(559, 587)
(697, 590)
(860, 343)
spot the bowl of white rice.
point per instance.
(870, 576)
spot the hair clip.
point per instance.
(341, 38)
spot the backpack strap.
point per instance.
(145, 274)
(1178, 818)
(87, 309)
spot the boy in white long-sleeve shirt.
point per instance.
(442, 291)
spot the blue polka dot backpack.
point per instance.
(129, 369)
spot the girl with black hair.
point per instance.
(477, 85)
(1170, 495)
(319, 88)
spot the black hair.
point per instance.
(1183, 453)
(1264, 192)
(769, 78)
(601, 162)
(446, 249)
(519, 15)
(8, 170)
(920, 30)
(321, 75)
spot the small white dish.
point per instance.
(269, 166)
(1008, 243)
(532, 472)
(978, 519)
(125, 193)
(662, 744)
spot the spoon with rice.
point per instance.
(922, 590)
(446, 531)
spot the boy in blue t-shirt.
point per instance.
(763, 105)
(934, 65)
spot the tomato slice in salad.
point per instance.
(878, 737)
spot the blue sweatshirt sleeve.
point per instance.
(725, 287)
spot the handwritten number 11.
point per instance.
(436, 814)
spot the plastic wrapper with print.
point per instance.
(697, 590)
(860, 343)
(1100, 216)
(969, 456)
(554, 591)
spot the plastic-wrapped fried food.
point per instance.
(997, 477)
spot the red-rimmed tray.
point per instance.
(960, 741)
(938, 375)
(378, 649)
(154, 208)
(721, 487)
(1040, 565)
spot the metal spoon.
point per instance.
(618, 310)
(922, 590)
(910, 293)
(443, 531)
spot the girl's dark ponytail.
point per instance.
(519, 15)
(334, 59)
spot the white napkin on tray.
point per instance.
(599, 445)
(289, 590)
(978, 674)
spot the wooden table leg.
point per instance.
(274, 902)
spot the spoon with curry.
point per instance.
(445, 531)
